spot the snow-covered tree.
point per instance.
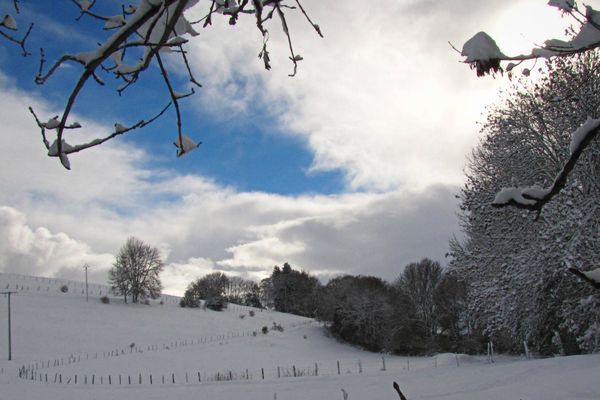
(136, 271)
(483, 54)
(137, 36)
(517, 264)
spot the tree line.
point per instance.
(422, 311)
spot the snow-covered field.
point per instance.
(59, 338)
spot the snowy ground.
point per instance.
(58, 336)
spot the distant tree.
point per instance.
(210, 288)
(419, 281)
(292, 291)
(251, 296)
(358, 309)
(450, 301)
(136, 271)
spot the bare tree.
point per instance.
(418, 281)
(136, 271)
(143, 34)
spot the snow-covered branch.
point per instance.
(534, 197)
(141, 33)
(483, 54)
(8, 25)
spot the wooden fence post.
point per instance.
(338, 366)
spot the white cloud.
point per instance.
(382, 97)
(38, 251)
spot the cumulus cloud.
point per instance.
(367, 100)
(383, 96)
(38, 251)
(379, 238)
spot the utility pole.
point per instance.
(86, 281)
(9, 329)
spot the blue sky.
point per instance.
(352, 166)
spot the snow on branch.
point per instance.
(9, 23)
(534, 197)
(483, 55)
(141, 33)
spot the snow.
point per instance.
(184, 145)
(581, 133)
(49, 325)
(505, 195)
(593, 274)
(115, 21)
(84, 4)
(481, 47)
(178, 40)
(9, 22)
(535, 191)
(52, 123)
(65, 147)
(120, 127)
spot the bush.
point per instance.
(104, 299)
(216, 303)
(251, 313)
(265, 330)
(64, 288)
(242, 316)
(277, 327)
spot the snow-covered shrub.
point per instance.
(265, 330)
(251, 313)
(64, 288)
(104, 300)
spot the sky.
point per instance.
(352, 166)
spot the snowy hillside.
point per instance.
(67, 348)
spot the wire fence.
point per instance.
(322, 369)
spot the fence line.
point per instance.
(318, 369)
(34, 367)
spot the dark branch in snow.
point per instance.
(397, 389)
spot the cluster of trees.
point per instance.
(422, 311)
(517, 262)
(217, 289)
